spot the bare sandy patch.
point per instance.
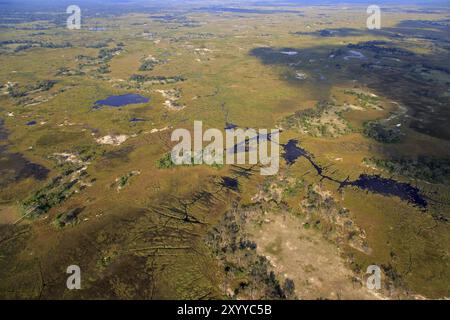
(303, 255)
(9, 214)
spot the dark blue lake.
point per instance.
(389, 187)
(292, 151)
(121, 100)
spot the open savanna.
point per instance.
(141, 228)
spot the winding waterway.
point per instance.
(373, 183)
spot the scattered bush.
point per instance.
(381, 132)
(425, 168)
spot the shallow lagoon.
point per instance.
(121, 100)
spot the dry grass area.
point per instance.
(303, 255)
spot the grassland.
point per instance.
(151, 235)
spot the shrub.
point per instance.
(381, 132)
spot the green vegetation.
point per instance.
(73, 179)
(64, 71)
(57, 191)
(324, 213)
(365, 100)
(148, 64)
(23, 45)
(103, 69)
(165, 162)
(67, 218)
(156, 79)
(249, 273)
(325, 120)
(124, 180)
(425, 168)
(107, 54)
(382, 132)
(16, 92)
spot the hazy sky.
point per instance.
(34, 5)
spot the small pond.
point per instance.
(121, 100)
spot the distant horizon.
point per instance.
(128, 6)
(220, 2)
